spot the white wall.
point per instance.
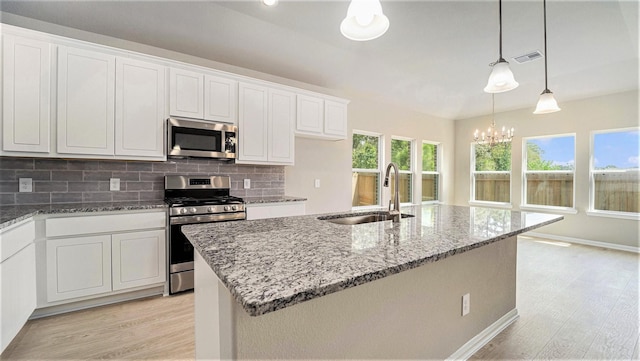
(579, 117)
(331, 161)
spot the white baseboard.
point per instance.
(585, 242)
(480, 340)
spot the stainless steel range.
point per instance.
(195, 200)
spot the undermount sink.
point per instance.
(360, 218)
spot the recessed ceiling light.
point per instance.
(270, 2)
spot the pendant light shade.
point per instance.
(364, 21)
(501, 78)
(547, 103)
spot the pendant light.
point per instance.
(501, 78)
(364, 21)
(547, 103)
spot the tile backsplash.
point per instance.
(78, 180)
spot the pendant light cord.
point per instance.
(500, 26)
(544, 7)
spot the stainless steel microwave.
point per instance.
(193, 138)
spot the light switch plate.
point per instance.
(26, 185)
(247, 183)
(316, 183)
(114, 184)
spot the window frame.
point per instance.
(591, 210)
(412, 165)
(540, 207)
(437, 172)
(379, 171)
(472, 185)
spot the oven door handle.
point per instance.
(207, 218)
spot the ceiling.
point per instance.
(434, 58)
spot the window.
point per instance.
(430, 172)
(491, 173)
(615, 181)
(549, 175)
(365, 159)
(402, 155)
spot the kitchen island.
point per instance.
(285, 287)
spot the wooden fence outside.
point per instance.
(613, 191)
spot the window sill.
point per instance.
(618, 215)
(430, 203)
(491, 204)
(563, 210)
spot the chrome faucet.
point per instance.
(395, 213)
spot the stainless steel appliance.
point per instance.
(193, 138)
(194, 199)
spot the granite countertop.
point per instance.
(271, 264)
(272, 199)
(13, 214)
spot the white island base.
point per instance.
(415, 314)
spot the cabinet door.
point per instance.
(335, 118)
(26, 92)
(280, 127)
(186, 95)
(17, 293)
(220, 99)
(252, 127)
(77, 267)
(86, 82)
(140, 112)
(139, 259)
(310, 114)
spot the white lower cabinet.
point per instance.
(138, 259)
(275, 210)
(17, 280)
(126, 251)
(77, 267)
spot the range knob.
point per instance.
(210, 210)
(183, 211)
(234, 208)
(193, 210)
(226, 208)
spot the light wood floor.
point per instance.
(575, 302)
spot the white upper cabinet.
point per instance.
(220, 99)
(86, 101)
(335, 119)
(186, 93)
(253, 119)
(310, 114)
(282, 112)
(321, 118)
(140, 108)
(197, 95)
(26, 94)
(266, 118)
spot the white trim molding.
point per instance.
(485, 336)
(586, 242)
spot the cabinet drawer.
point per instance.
(73, 226)
(16, 238)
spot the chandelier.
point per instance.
(493, 137)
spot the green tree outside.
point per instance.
(364, 152)
(535, 161)
(496, 158)
(401, 153)
(429, 157)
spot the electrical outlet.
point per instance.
(26, 185)
(466, 304)
(317, 183)
(114, 184)
(247, 183)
